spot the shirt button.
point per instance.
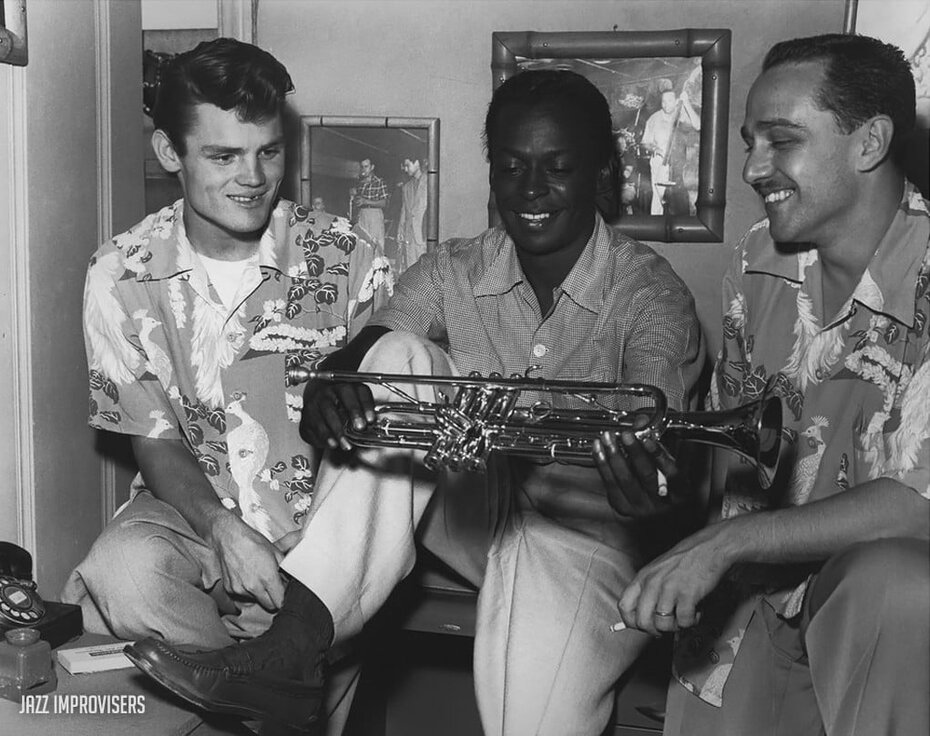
(540, 350)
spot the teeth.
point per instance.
(779, 196)
(240, 198)
(538, 217)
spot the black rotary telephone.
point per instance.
(21, 605)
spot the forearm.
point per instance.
(173, 475)
(878, 509)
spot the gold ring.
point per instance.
(664, 613)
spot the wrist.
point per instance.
(737, 543)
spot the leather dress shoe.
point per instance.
(226, 681)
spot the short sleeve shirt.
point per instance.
(373, 188)
(855, 394)
(167, 360)
(621, 314)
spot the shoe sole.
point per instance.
(207, 705)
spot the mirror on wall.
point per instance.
(382, 174)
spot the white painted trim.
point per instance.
(237, 19)
(23, 436)
(104, 198)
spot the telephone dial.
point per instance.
(21, 605)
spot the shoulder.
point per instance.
(635, 265)
(475, 251)
(152, 238)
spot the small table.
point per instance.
(164, 714)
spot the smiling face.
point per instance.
(544, 177)
(366, 168)
(798, 160)
(230, 174)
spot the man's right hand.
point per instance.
(248, 561)
(331, 407)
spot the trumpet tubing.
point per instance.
(483, 416)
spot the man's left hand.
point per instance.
(665, 594)
(640, 475)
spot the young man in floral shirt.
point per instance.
(806, 609)
(192, 318)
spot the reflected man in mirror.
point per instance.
(806, 608)
(369, 198)
(191, 319)
(411, 228)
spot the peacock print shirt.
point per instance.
(855, 395)
(168, 360)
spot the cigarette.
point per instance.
(663, 484)
(619, 626)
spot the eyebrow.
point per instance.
(212, 149)
(773, 123)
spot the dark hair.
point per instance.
(555, 88)
(863, 77)
(224, 72)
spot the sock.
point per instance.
(298, 638)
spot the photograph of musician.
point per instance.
(555, 293)
(411, 227)
(668, 133)
(189, 317)
(806, 608)
(369, 198)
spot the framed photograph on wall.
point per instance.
(669, 96)
(382, 174)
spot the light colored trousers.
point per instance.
(857, 663)
(149, 574)
(545, 660)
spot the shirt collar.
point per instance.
(584, 283)
(895, 261)
(168, 225)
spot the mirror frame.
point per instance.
(431, 125)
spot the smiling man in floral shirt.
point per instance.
(192, 318)
(806, 609)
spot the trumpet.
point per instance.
(482, 416)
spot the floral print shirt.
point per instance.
(168, 360)
(855, 396)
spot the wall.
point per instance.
(431, 58)
(80, 177)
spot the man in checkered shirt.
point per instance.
(369, 201)
(554, 292)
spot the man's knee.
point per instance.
(129, 560)
(895, 571)
(405, 353)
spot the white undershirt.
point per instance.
(229, 277)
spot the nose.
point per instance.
(534, 183)
(758, 164)
(251, 172)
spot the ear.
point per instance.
(165, 153)
(875, 141)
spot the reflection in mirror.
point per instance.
(382, 174)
